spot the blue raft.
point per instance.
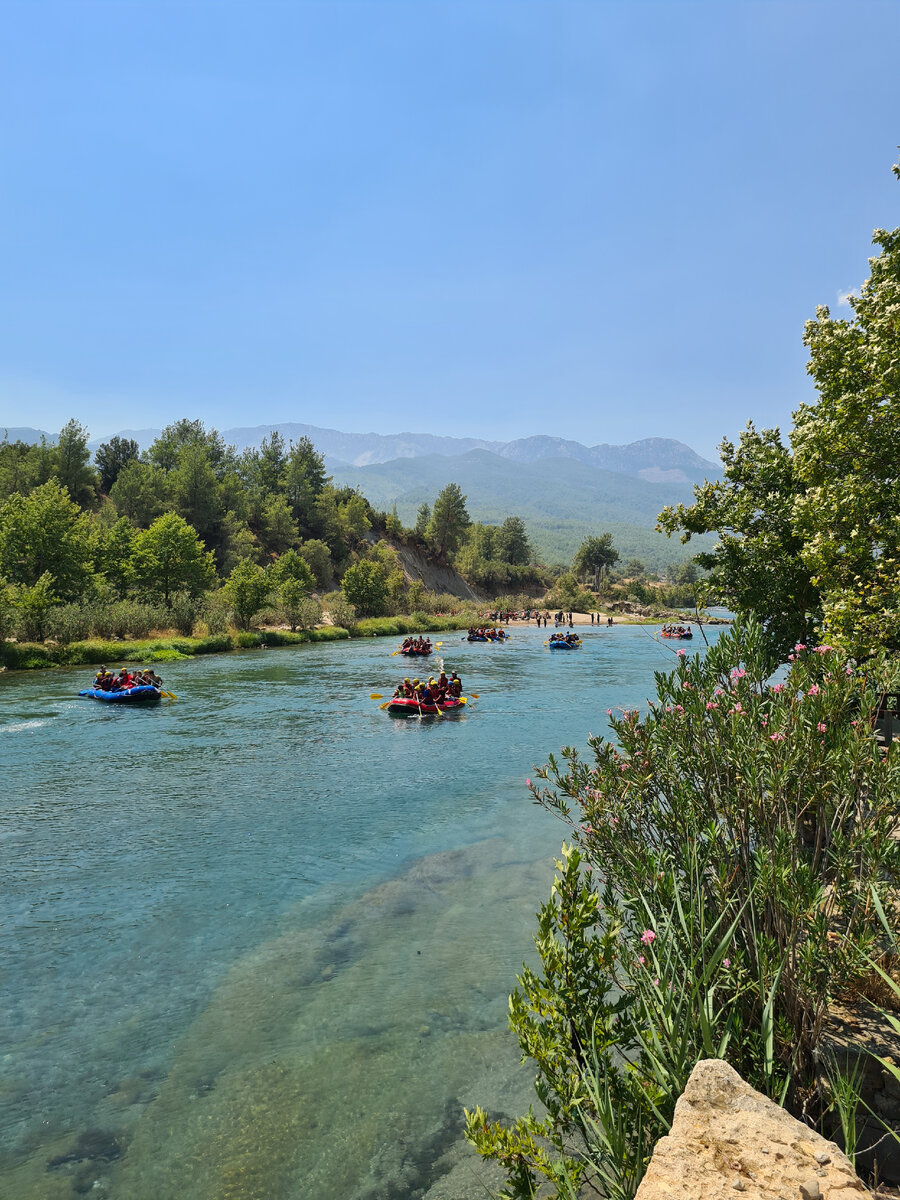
(136, 695)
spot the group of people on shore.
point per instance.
(416, 645)
(492, 633)
(109, 681)
(435, 691)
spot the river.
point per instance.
(257, 942)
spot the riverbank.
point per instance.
(35, 656)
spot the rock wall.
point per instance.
(726, 1140)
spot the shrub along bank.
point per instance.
(728, 852)
(29, 656)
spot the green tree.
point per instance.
(423, 519)
(141, 492)
(757, 567)
(355, 521)
(114, 553)
(365, 586)
(512, 544)
(110, 457)
(299, 608)
(169, 557)
(167, 448)
(196, 493)
(34, 605)
(594, 556)
(247, 590)
(449, 520)
(73, 463)
(847, 460)
(293, 566)
(304, 478)
(45, 532)
(318, 556)
(25, 466)
(277, 527)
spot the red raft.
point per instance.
(405, 706)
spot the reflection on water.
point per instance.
(259, 943)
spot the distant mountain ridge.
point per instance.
(654, 459)
(563, 489)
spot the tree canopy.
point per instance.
(449, 520)
(810, 536)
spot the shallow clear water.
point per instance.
(258, 942)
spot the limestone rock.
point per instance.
(725, 1135)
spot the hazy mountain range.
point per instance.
(562, 489)
(658, 460)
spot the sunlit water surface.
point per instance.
(257, 943)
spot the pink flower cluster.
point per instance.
(648, 937)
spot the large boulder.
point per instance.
(726, 1139)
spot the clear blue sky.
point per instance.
(606, 220)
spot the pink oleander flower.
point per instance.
(641, 959)
(778, 687)
(790, 658)
(765, 722)
(718, 692)
(528, 783)
(681, 653)
(685, 686)
(709, 705)
(821, 727)
(609, 712)
(648, 937)
(588, 828)
(679, 708)
(848, 670)
(776, 737)
(623, 767)
(814, 690)
(737, 709)
(823, 649)
(800, 646)
(726, 962)
(668, 708)
(738, 672)
(656, 982)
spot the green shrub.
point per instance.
(184, 612)
(715, 896)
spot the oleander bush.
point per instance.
(727, 847)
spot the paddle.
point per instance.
(376, 695)
(168, 695)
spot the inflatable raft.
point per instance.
(404, 706)
(134, 695)
(681, 637)
(563, 645)
(415, 653)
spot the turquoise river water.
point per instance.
(258, 942)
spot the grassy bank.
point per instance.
(416, 623)
(31, 656)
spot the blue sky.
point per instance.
(500, 217)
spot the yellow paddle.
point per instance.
(168, 695)
(376, 695)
